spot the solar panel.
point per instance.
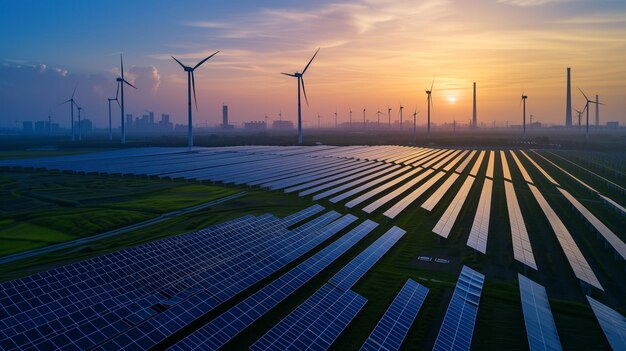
(455, 161)
(396, 192)
(316, 323)
(381, 188)
(357, 181)
(505, 166)
(439, 158)
(223, 328)
(401, 205)
(613, 324)
(608, 235)
(522, 249)
(447, 159)
(466, 162)
(447, 220)
(490, 164)
(392, 328)
(545, 174)
(458, 324)
(540, 327)
(477, 164)
(370, 184)
(344, 179)
(353, 271)
(568, 173)
(434, 199)
(480, 228)
(341, 175)
(521, 167)
(581, 268)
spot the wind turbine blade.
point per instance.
(586, 98)
(193, 85)
(304, 91)
(203, 61)
(74, 92)
(66, 101)
(125, 81)
(117, 91)
(308, 64)
(599, 103)
(181, 65)
(432, 85)
(122, 65)
(288, 74)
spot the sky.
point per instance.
(374, 54)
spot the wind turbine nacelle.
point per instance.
(297, 74)
(188, 69)
(119, 79)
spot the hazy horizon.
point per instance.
(373, 54)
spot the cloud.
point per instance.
(530, 3)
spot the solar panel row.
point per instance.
(401, 205)
(397, 192)
(522, 248)
(393, 327)
(447, 220)
(613, 324)
(480, 227)
(540, 327)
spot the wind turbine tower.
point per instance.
(580, 113)
(364, 125)
(72, 103)
(378, 115)
(401, 108)
(336, 125)
(429, 97)
(568, 103)
(191, 85)
(597, 111)
(415, 127)
(300, 78)
(474, 114)
(121, 81)
(389, 115)
(350, 122)
(118, 102)
(523, 101)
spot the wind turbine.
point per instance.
(415, 112)
(72, 103)
(49, 123)
(319, 118)
(336, 119)
(587, 108)
(118, 103)
(378, 115)
(523, 101)
(300, 78)
(364, 119)
(429, 98)
(389, 115)
(579, 116)
(120, 80)
(350, 124)
(191, 84)
(401, 108)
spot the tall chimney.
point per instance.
(597, 111)
(474, 115)
(568, 107)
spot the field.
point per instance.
(53, 206)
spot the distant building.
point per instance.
(255, 125)
(129, 120)
(612, 125)
(40, 127)
(282, 125)
(164, 123)
(27, 126)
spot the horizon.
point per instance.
(373, 55)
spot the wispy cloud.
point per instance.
(529, 3)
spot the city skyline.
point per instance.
(373, 54)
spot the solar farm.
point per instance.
(383, 248)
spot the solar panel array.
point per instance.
(397, 192)
(223, 328)
(393, 327)
(353, 271)
(613, 324)
(401, 205)
(543, 171)
(522, 248)
(521, 167)
(447, 220)
(458, 324)
(480, 227)
(84, 304)
(316, 323)
(434, 199)
(540, 327)
(581, 267)
(505, 166)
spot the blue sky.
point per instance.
(374, 54)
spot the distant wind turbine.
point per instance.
(415, 112)
(587, 108)
(191, 85)
(120, 80)
(523, 101)
(364, 125)
(118, 103)
(336, 125)
(72, 103)
(401, 108)
(580, 113)
(429, 98)
(378, 115)
(350, 123)
(299, 76)
(389, 115)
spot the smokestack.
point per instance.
(474, 115)
(225, 116)
(568, 107)
(597, 111)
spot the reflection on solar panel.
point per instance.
(490, 164)
(479, 162)
(343, 178)
(581, 268)
(463, 165)
(396, 322)
(454, 162)
(340, 176)
(540, 327)
(353, 271)
(522, 249)
(370, 184)
(545, 174)
(436, 159)
(447, 220)
(608, 235)
(397, 192)
(220, 330)
(446, 159)
(381, 188)
(434, 199)
(480, 228)
(396, 209)
(316, 323)
(521, 167)
(458, 324)
(302, 215)
(505, 166)
(613, 324)
(360, 180)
